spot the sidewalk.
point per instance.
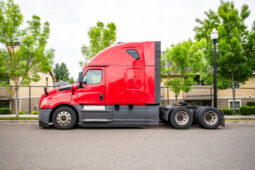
(239, 116)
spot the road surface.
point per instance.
(24, 146)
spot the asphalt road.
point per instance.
(157, 147)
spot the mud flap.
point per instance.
(223, 119)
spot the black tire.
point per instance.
(68, 118)
(196, 114)
(177, 118)
(209, 118)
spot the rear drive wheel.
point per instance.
(181, 118)
(64, 118)
(209, 118)
(195, 121)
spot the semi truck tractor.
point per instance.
(120, 87)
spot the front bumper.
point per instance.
(44, 117)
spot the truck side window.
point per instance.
(133, 53)
(92, 77)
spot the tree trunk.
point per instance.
(234, 99)
(16, 101)
(233, 93)
(176, 97)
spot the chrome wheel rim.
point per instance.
(181, 117)
(64, 118)
(211, 117)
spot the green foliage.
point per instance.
(163, 70)
(234, 43)
(178, 84)
(100, 37)
(235, 52)
(250, 103)
(249, 49)
(71, 80)
(61, 72)
(21, 62)
(227, 111)
(174, 85)
(11, 19)
(35, 112)
(247, 110)
(22, 113)
(5, 111)
(186, 59)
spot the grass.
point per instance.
(19, 118)
(233, 115)
(239, 119)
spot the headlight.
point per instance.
(43, 102)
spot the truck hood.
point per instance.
(61, 94)
(60, 89)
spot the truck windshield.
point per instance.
(93, 77)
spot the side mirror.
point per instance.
(80, 79)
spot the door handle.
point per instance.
(101, 97)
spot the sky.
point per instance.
(168, 21)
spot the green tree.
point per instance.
(235, 48)
(21, 62)
(56, 72)
(249, 47)
(186, 60)
(100, 37)
(61, 72)
(71, 80)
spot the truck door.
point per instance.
(93, 91)
(92, 97)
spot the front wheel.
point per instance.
(64, 118)
(181, 118)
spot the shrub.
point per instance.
(5, 111)
(250, 103)
(227, 111)
(247, 110)
(22, 113)
(34, 112)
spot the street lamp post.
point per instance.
(214, 36)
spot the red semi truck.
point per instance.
(119, 87)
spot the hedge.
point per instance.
(34, 112)
(250, 103)
(247, 110)
(5, 111)
(227, 111)
(22, 113)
